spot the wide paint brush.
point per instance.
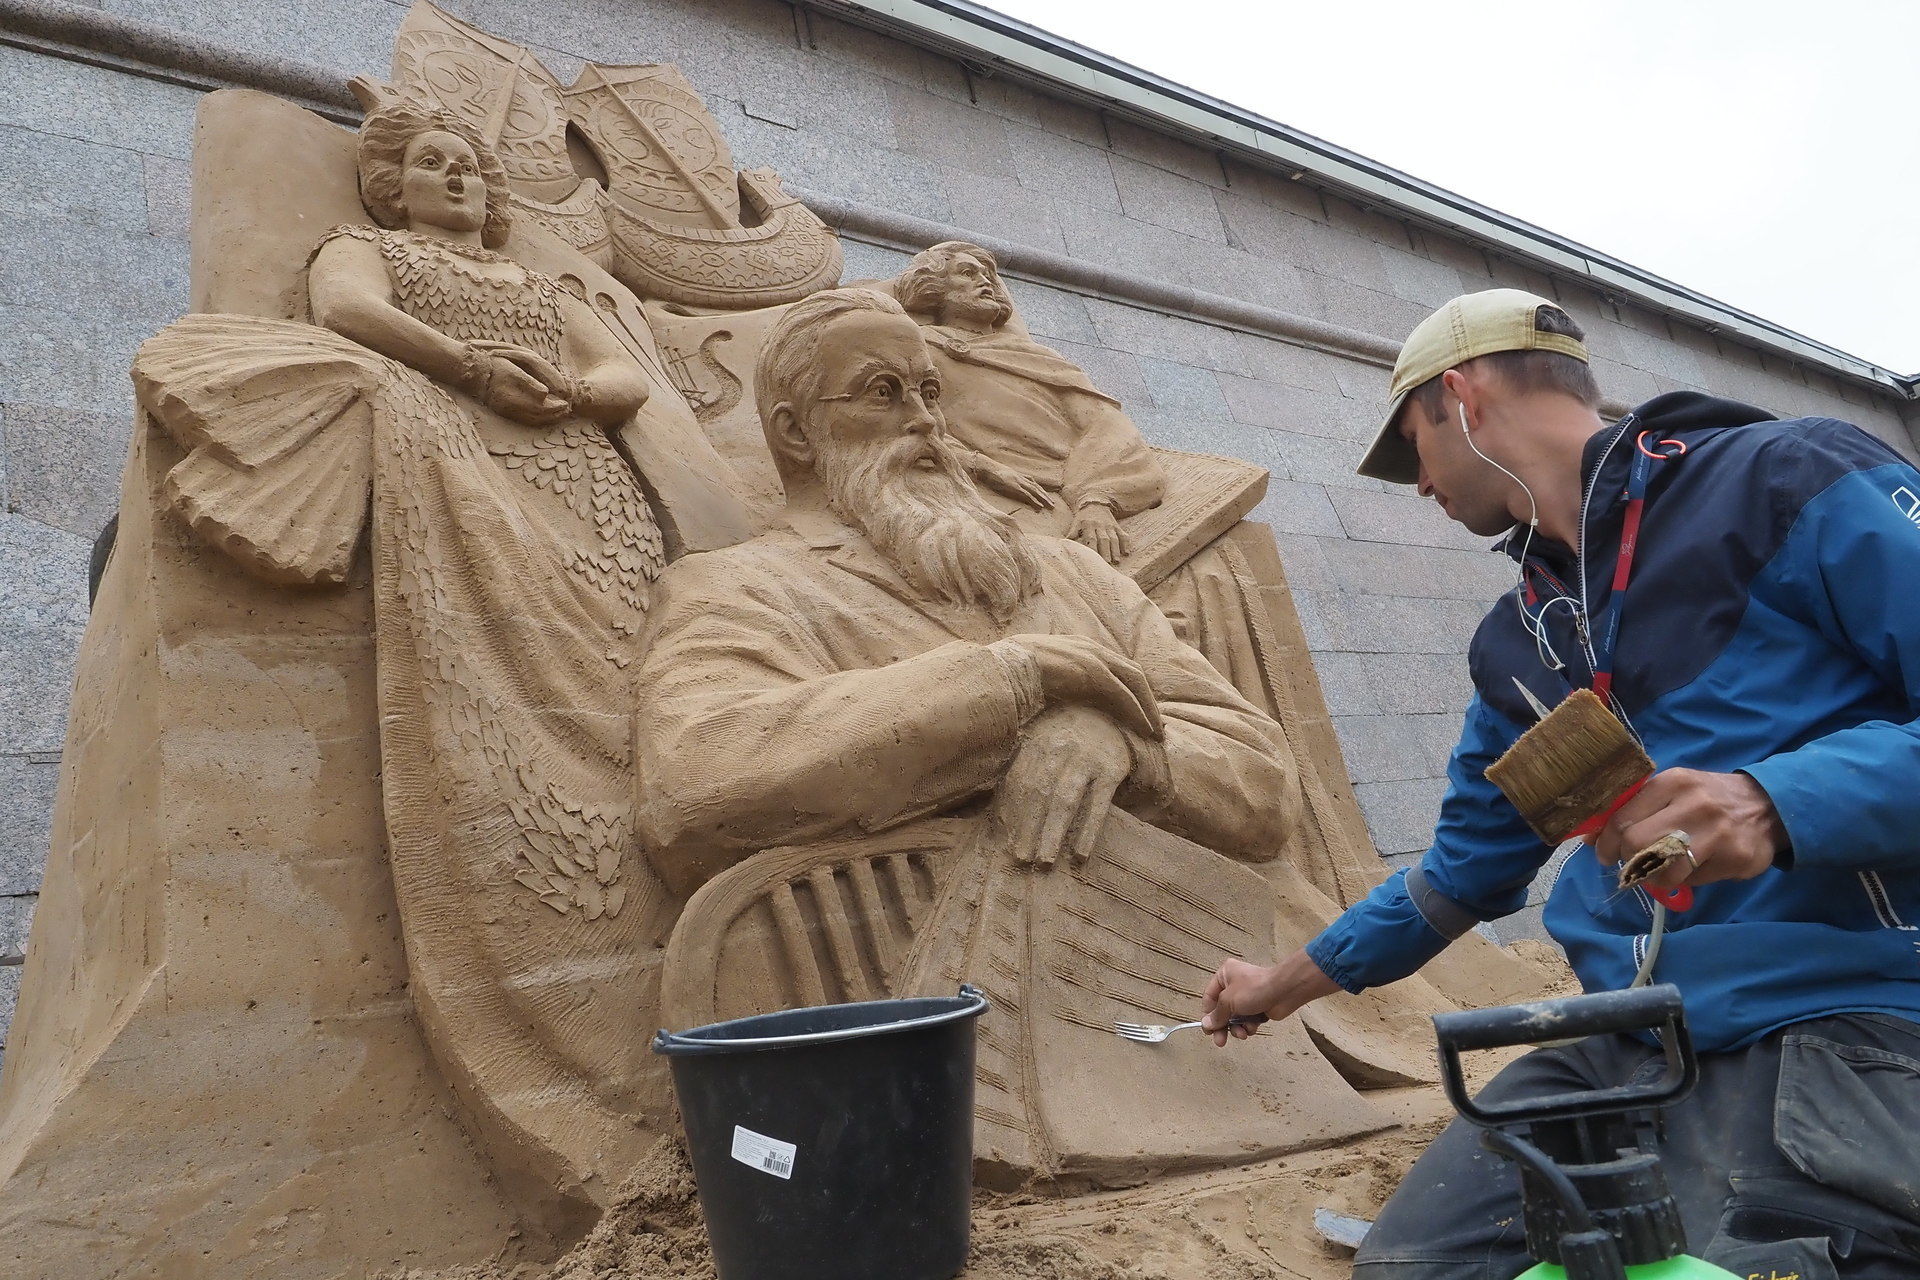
(1568, 775)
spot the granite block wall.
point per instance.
(94, 177)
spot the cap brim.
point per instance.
(1390, 457)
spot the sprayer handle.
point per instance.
(1543, 1021)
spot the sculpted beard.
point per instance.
(932, 525)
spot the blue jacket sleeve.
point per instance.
(1482, 859)
(1850, 568)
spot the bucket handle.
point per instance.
(675, 1042)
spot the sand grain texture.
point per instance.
(1249, 1225)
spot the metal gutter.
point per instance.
(991, 43)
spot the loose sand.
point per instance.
(1249, 1224)
(1253, 1223)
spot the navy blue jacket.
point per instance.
(1771, 627)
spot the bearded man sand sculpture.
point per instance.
(896, 651)
(1025, 405)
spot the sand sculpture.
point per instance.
(894, 652)
(1026, 408)
(416, 771)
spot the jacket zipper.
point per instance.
(1882, 901)
(1580, 541)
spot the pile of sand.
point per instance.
(1246, 1230)
(653, 1232)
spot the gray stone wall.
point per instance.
(94, 183)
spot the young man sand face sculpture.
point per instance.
(1762, 639)
(1031, 425)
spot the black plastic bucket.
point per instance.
(834, 1142)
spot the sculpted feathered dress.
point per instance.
(511, 573)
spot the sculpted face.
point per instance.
(881, 451)
(971, 294)
(877, 385)
(440, 183)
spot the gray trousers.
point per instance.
(1796, 1157)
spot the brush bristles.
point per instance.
(1569, 767)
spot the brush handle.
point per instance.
(1593, 825)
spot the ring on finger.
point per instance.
(1685, 842)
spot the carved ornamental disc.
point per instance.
(664, 153)
(498, 87)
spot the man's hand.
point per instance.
(1052, 801)
(1241, 990)
(1083, 672)
(1094, 524)
(1730, 821)
(1005, 480)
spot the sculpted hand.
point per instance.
(1005, 480)
(1074, 669)
(1730, 822)
(514, 393)
(1052, 800)
(1242, 990)
(1095, 525)
(530, 362)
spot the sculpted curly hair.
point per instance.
(384, 136)
(922, 287)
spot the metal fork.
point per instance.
(1154, 1033)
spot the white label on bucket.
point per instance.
(768, 1155)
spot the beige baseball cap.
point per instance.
(1474, 324)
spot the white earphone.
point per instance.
(1535, 626)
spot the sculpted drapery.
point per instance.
(456, 403)
(867, 703)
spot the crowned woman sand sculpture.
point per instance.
(467, 397)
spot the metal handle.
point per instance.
(1643, 1009)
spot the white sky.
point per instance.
(1763, 153)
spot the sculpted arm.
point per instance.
(1110, 463)
(1221, 775)
(750, 736)
(610, 381)
(349, 292)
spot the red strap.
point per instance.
(1629, 543)
(1591, 827)
(1675, 899)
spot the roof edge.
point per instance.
(995, 43)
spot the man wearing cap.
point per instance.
(1746, 593)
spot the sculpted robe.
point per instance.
(796, 688)
(797, 692)
(1028, 406)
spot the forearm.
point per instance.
(393, 333)
(611, 392)
(728, 773)
(1849, 801)
(1219, 779)
(1380, 939)
(1110, 463)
